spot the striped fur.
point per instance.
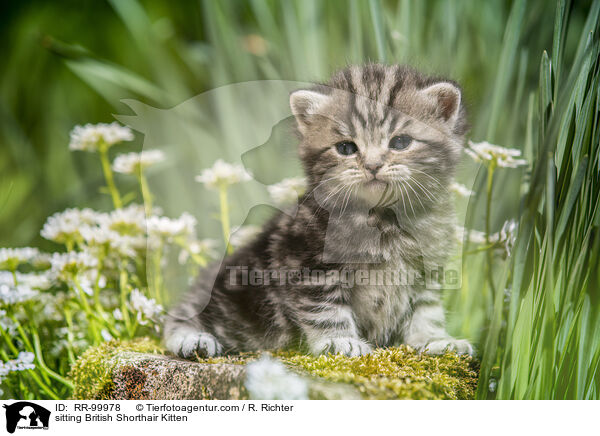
(377, 210)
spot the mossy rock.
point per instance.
(139, 370)
(92, 373)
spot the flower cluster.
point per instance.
(64, 227)
(146, 308)
(66, 266)
(23, 362)
(168, 228)
(503, 239)
(92, 136)
(10, 295)
(133, 163)
(288, 190)
(11, 258)
(460, 190)
(223, 174)
(501, 156)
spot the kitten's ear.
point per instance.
(305, 103)
(447, 98)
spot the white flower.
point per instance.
(204, 248)
(23, 362)
(87, 281)
(97, 235)
(10, 294)
(65, 226)
(32, 280)
(505, 238)
(127, 246)
(11, 258)
(117, 314)
(68, 265)
(268, 379)
(486, 152)
(242, 235)
(6, 323)
(130, 220)
(146, 308)
(131, 163)
(288, 190)
(223, 174)
(106, 335)
(460, 189)
(91, 136)
(160, 226)
(121, 231)
(508, 235)
(473, 236)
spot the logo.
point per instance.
(26, 415)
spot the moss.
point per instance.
(387, 373)
(92, 372)
(395, 373)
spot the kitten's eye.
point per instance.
(346, 148)
(400, 142)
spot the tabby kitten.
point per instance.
(379, 145)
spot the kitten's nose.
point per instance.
(373, 167)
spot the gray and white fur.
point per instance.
(379, 145)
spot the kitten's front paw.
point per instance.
(187, 344)
(347, 346)
(441, 346)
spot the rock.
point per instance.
(139, 376)
(139, 370)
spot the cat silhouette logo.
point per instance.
(26, 415)
(194, 133)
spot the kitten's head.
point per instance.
(381, 134)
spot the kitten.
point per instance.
(379, 145)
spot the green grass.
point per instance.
(530, 74)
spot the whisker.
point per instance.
(417, 195)
(425, 190)
(431, 177)
(403, 201)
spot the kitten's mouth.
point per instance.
(375, 183)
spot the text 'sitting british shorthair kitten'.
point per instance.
(379, 145)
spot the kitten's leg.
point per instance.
(329, 327)
(185, 337)
(426, 330)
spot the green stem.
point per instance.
(108, 175)
(70, 347)
(42, 363)
(488, 208)
(14, 274)
(97, 284)
(156, 273)
(123, 296)
(88, 311)
(22, 333)
(43, 385)
(146, 195)
(225, 217)
(8, 341)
